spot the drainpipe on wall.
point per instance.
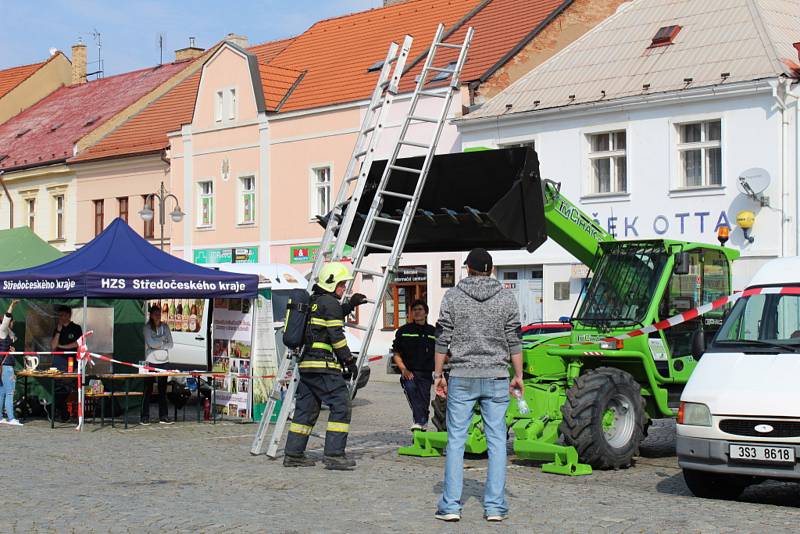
(10, 200)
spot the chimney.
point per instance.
(78, 63)
(387, 3)
(238, 40)
(190, 52)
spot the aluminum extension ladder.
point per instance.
(352, 186)
(338, 228)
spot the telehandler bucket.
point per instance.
(488, 198)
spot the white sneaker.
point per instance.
(496, 518)
(13, 422)
(447, 517)
(3, 421)
(415, 427)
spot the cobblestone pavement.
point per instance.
(193, 477)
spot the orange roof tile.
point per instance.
(10, 78)
(147, 131)
(277, 83)
(266, 52)
(499, 27)
(337, 52)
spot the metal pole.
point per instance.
(161, 212)
(82, 369)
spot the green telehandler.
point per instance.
(591, 398)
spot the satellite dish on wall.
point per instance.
(752, 183)
(53, 50)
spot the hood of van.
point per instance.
(747, 384)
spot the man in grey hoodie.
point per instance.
(479, 324)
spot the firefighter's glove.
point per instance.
(350, 370)
(357, 299)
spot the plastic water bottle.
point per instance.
(522, 405)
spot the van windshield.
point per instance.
(761, 323)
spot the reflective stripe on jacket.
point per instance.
(325, 347)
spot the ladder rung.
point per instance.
(396, 195)
(377, 106)
(449, 45)
(356, 326)
(352, 179)
(414, 143)
(377, 246)
(404, 169)
(369, 130)
(442, 69)
(433, 94)
(422, 119)
(361, 154)
(387, 220)
(367, 271)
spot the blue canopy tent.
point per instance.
(119, 263)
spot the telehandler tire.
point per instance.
(604, 418)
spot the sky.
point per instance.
(129, 29)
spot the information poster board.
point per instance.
(264, 354)
(231, 353)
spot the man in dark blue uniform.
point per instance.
(413, 351)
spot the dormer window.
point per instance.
(665, 36)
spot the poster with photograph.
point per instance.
(230, 356)
(264, 354)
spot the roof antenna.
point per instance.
(97, 38)
(160, 44)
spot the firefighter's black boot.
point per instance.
(298, 461)
(338, 463)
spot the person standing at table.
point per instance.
(9, 379)
(413, 351)
(65, 338)
(157, 343)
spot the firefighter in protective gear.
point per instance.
(324, 358)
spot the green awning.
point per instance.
(22, 248)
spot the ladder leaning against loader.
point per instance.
(344, 210)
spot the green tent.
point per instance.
(22, 248)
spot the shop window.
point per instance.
(205, 204)
(561, 290)
(608, 163)
(30, 205)
(700, 153)
(410, 284)
(247, 200)
(149, 229)
(321, 191)
(98, 216)
(122, 204)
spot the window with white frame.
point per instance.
(218, 98)
(30, 205)
(608, 165)
(321, 191)
(205, 203)
(700, 153)
(58, 204)
(247, 199)
(231, 104)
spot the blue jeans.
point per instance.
(462, 394)
(7, 390)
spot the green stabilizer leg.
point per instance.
(432, 444)
(426, 445)
(537, 440)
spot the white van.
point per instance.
(191, 331)
(739, 417)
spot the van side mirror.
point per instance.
(681, 263)
(698, 344)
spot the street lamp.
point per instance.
(147, 213)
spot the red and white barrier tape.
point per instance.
(33, 353)
(694, 313)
